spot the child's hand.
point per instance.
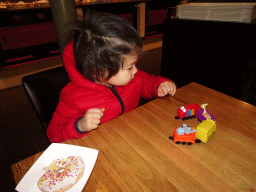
(166, 88)
(91, 119)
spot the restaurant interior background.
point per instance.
(27, 33)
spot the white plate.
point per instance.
(57, 151)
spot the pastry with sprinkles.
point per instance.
(62, 174)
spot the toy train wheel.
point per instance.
(184, 143)
(186, 118)
(171, 138)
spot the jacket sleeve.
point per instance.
(151, 83)
(62, 125)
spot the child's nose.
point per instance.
(135, 70)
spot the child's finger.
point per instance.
(171, 88)
(95, 121)
(160, 94)
(162, 90)
(96, 111)
(174, 89)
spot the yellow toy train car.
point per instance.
(205, 130)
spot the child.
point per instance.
(105, 83)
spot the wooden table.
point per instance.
(135, 153)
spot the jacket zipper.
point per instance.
(114, 91)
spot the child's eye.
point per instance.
(130, 68)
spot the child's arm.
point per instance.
(61, 129)
(69, 122)
(63, 124)
(156, 86)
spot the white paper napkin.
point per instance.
(57, 151)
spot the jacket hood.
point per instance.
(74, 76)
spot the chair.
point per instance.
(43, 91)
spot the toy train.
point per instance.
(203, 132)
(187, 111)
(193, 110)
(184, 135)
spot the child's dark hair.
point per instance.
(100, 42)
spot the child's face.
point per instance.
(125, 73)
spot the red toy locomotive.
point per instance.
(187, 111)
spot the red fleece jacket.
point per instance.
(81, 94)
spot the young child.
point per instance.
(105, 83)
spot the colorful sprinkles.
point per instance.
(61, 173)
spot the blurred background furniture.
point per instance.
(211, 53)
(28, 33)
(243, 12)
(248, 89)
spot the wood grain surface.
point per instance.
(135, 153)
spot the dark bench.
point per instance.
(219, 55)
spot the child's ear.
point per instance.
(97, 79)
(102, 77)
